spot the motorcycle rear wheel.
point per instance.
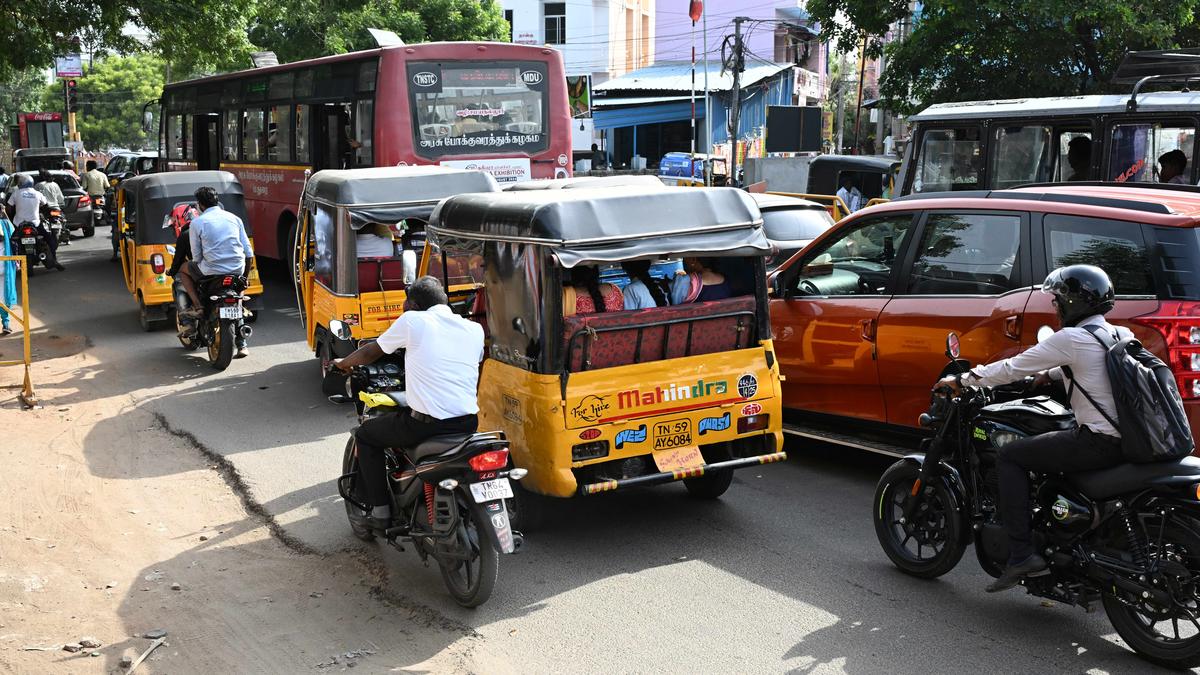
(471, 581)
(353, 513)
(929, 545)
(220, 346)
(1138, 622)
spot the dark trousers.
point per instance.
(400, 430)
(47, 236)
(1079, 449)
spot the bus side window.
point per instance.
(1136, 148)
(1074, 161)
(950, 159)
(1019, 155)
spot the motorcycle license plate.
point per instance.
(28, 241)
(231, 312)
(491, 490)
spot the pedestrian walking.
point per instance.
(8, 274)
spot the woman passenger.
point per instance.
(643, 291)
(699, 281)
(584, 294)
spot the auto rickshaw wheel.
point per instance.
(144, 319)
(711, 485)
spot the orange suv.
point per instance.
(860, 316)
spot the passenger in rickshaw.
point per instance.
(643, 290)
(375, 240)
(584, 294)
(700, 281)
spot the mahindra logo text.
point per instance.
(634, 398)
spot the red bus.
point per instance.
(498, 107)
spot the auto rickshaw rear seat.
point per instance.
(376, 275)
(607, 340)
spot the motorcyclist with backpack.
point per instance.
(1075, 355)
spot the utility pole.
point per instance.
(739, 64)
(862, 71)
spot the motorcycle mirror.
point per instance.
(953, 347)
(1044, 333)
(340, 330)
(340, 398)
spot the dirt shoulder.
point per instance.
(113, 527)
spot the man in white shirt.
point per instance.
(441, 370)
(25, 206)
(849, 193)
(1083, 294)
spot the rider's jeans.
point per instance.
(1079, 449)
(400, 430)
(47, 236)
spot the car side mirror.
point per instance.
(339, 329)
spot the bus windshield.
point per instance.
(461, 108)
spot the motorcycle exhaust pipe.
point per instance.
(518, 541)
(246, 331)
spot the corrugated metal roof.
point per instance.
(677, 76)
(643, 100)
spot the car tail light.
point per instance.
(492, 460)
(85, 200)
(157, 263)
(592, 450)
(1178, 321)
(753, 423)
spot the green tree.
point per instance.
(111, 95)
(960, 51)
(310, 28)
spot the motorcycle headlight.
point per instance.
(1001, 438)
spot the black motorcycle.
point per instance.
(1127, 537)
(448, 493)
(222, 323)
(31, 242)
(56, 223)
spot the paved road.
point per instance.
(783, 573)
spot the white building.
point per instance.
(601, 39)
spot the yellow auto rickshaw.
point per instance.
(147, 240)
(357, 248)
(596, 401)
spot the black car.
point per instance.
(78, 207)
(125, 165)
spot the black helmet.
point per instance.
(1079, 291)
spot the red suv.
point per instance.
(860, 316)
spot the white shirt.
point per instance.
(371, 245)
(1074, 347)
(28, 202)
(441, 364)
(852, 198)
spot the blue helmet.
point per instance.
(24, 181)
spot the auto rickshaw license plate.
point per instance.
(678, 458)
(491, 490)
(672, 434)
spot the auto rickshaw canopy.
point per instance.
(605, 225)
(393, 193)
(640, 180)
(149, 199)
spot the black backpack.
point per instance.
(1153, 425)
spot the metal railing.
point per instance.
(833, 203)
(27, 396)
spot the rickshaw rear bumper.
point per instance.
(681, 474)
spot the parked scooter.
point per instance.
(448, 493)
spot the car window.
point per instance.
(1136, 149)
(950, 159)
(115, 165)
(967, 254)
(1115, 246)
(856, 261)
(1021, 155)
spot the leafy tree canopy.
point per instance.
(309, 28)
(111, 96)
(962, 51)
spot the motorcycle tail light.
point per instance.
(85, 200)
(157, 263)
(753, 423)
(227, 281)
(492, 460)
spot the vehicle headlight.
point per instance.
(1001, 438)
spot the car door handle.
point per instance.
(1012, 327)
(867, 329)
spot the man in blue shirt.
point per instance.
(219, 246)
